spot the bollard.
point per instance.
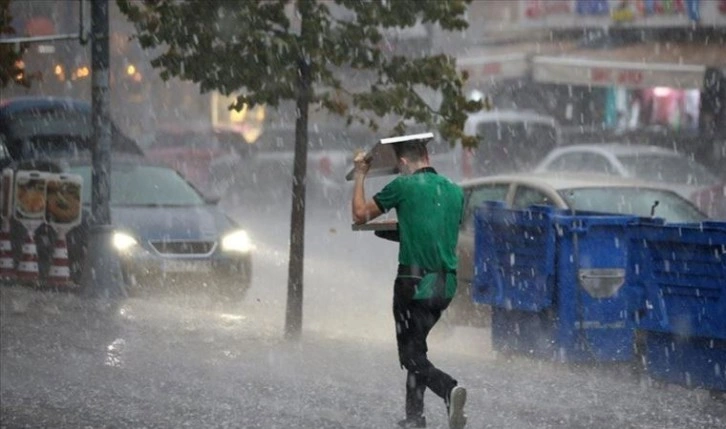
(59, 274)
(7, 262)
(7, 259)
(27, 270)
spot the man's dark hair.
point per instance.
(413, 151)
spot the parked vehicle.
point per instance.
(36, 127)
(592, 193)
(508, 141)
(208, 156)
(644, 162)
(166, 231)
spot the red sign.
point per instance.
(542, 8)
(633, 77)
(491, 69)
(623, 77)
(39, 26)
(600, 75)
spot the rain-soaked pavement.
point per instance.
(173, 360)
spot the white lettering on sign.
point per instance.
(46, 49)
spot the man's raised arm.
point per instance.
(362, 210)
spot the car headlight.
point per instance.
(237, 241)
(123, 241)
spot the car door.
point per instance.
(473, 197)
(527, 195)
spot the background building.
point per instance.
(595, 65)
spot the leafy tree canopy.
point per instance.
(10, 55)
(253, 48)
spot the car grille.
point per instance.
(183, 247)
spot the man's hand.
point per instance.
(363, 211)
(361, 164)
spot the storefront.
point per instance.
(645, 84)
(504, 72)
(618, 64)
(564, 14)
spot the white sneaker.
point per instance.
(457, 400)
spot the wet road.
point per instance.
(181, 360)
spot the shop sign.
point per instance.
(620, 77)
(493, 67)
(580, 71)
(634, 13)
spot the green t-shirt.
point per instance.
(429, 208)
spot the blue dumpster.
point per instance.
(682, 269)
(556, 282)
(514, 273)
(514, 258)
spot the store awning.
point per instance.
(645, 65)
(579, 71)
(491, 67)
(508, 61)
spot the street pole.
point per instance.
(294, 309)
(101, 277)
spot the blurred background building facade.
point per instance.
(594, 65)
(625, 64)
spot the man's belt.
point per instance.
(416, 271)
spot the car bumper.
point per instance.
(142, 267)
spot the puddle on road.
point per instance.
(115, 352)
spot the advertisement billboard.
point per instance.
(622, 13)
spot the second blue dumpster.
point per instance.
(682, 268)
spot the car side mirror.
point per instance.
(212, 199)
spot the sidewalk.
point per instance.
(70, 363)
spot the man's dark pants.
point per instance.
(414, 320)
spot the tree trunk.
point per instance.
(294, 312)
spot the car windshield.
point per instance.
(670, 169)
(628, 200)
(133, 185)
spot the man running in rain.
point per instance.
(429, 209)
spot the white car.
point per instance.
(649, 163)
(595, 193)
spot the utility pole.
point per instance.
(101, 277)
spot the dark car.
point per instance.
(166, 232)
(45, 127)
